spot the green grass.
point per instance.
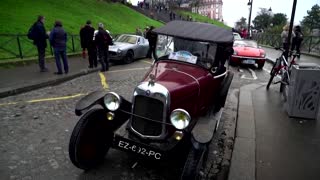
(16, 17)
(200, 18)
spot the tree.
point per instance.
(241, 23)
(263, 19)
(196, 4)
(279, 19)
(312, 20)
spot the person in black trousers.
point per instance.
(40, 40)
(152, 38)
(86, 38)
(103, 40)
(58, 40)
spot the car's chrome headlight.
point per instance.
(112, 101)
(119, 51)
(180, 118)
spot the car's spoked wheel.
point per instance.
(195, 163)
(129, 57)
(90, 140)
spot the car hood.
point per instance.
(120, 45)
(247, 51)
(181, 80)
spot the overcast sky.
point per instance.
(233, 10)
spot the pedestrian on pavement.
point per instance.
(58, 40)
(139, 32)
(152, 38)
(284, 36)
(86, 38)
(103, 40)
(297, 39)
(40, 40)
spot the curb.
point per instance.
(44, 84)
(243, 162)
(270, 60)
(304, 53)
(21, 62)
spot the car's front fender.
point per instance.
(88, 101)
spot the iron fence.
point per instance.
(309, 45)
(16, 46)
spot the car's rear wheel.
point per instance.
(128, 58)
(222, 96)
(260, 65)
(195, 162)
(90, 140)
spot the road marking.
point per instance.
(147, 62)
(267, 70)
(45, 99)
(253, 74)
(103, 81)
(133, 69)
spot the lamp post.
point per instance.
(291, 27)
(249, 22)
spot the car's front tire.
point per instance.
(129, 57)
(90, 140)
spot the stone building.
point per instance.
(209, 8)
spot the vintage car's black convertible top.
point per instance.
(196, 31)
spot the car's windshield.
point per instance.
(194, 52)
(126, 39)
(245, 44)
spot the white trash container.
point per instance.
(304, 91)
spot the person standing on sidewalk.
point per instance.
(103, 40)
(58, 40)
(40, 40)
(296, 41)
(285, 36)
(86, 38)
(152, 38)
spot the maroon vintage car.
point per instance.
(174, 110)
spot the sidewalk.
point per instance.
(269, 144)
(26, 78)
(273, 54)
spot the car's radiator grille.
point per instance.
(149, 108)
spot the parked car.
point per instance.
(128, 47)
(247, 52)
(236, 36)
(174, 110)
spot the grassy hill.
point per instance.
(200, 18)
(16, 16)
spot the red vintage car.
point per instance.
(174, 110)
(247, 52)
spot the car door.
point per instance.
(144, 47)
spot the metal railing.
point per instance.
(17, 46)
(309, 45)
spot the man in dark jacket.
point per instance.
(86, 37)
(103, 40)
(40, 40)
(58, 40)
(152, 38)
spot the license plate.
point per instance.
(248, 61)
(143, 150)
